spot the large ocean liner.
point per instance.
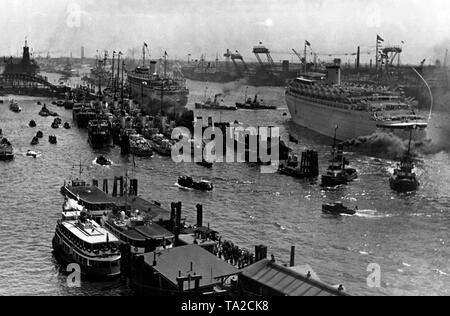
(320, 103)
(157, 93)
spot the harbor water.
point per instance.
(406, 235)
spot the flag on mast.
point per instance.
(308, 43)
(379, 39)
(145, 44)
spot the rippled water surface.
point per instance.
(407, 235)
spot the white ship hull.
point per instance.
(323, 119)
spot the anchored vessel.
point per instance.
(99, 133)
(157, 93)
(321, 103)
(79, 239)
(189, 183)
(139, 146)
(14, 106)
(6, 149)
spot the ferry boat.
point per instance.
(157, 93)
(404, 179)
(321, 103)
(79, 239)
(90, 197)
(139, 146)
(6, 149)
(99, 133)
(140, 236)
(161, 145)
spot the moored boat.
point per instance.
(79, 239)
(6, 149)
(139, 146)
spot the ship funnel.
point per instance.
(153, 67)
(333, 72)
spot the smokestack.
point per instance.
(199, 215)
(358, 56)
(292, 262)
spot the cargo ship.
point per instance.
(157, 94)
(320, 103)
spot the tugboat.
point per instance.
(52, 140)
(140, 147)
(39, 134)
(254, 104)
(214, 105)
(404, 179)
(32, 124)
(188, 183)
(102, 161)
(67, 125)
(337, 172)
(79, 239)
(14, 106)
(59, 103)
(34, 141)
(99, 133)
(337, 209)
(6, 149)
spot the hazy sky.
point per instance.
(212, 26)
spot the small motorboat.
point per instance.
(189, 183)
(67, 125)
(6, 149)
(52, 140)
(55, 125)
(14, 106)
(54, 102)
(32, 124)
(31, 153)
(337, 209)
(103, 161)
(59, 103)
(39, 103)
(39, 134)
(58, 121)
(34, 141)
(205, 164)
(46, 112)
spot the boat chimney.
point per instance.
(152, 67)
(199, 215)
(333, 72)
(292, 262)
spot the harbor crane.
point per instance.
(237, 56)
(262, 50)
(389, 54)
